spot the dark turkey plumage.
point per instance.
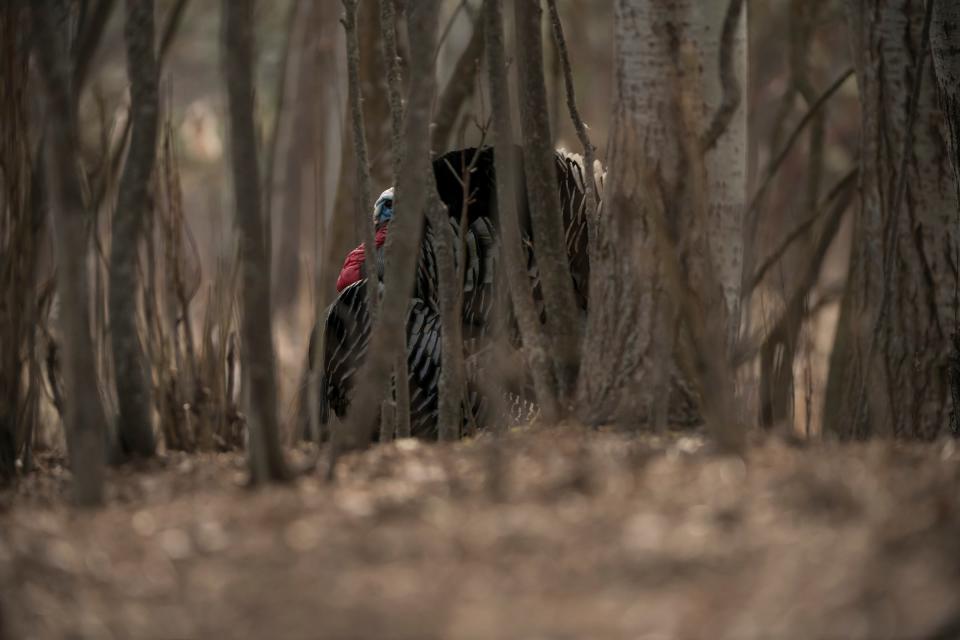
(347, 322)
(346, 340)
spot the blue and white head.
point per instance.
(383, 209)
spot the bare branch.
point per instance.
(543, 198)
(752, 216)
(589, 151)
(170, 28)
(778, 347)
(779, 352)
(458, 89)
(840, 196)
(728, 77)
(447, 28)
(845, 183)
(91, 32)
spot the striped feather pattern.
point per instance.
(347, 322)
(347, 339)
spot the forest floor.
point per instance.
(587, 534)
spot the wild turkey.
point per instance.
(571, 184)
(347, 323)
(347, 332)
(346, 338)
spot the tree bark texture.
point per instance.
(888, 368)
(363, 197)
(294, 130)
(506, 166)
(631, 318)
(451, 384)
(592, 199)
(945, 47)
(266, 455)
(323, 33)
(89, 35)
(84, 417)
(18, 240)
(563, 323)
(134, 428)
(376, 117)
(391, 62)
(404, 237)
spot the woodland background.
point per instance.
(312, 178)
(547, 530)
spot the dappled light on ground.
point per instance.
(594, 534)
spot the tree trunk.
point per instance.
(266, 455)
(84, 417)
(563, 325)
(135, 428)
(363, 197)
(506, 167)
(18, 246)
(404, 237)
(376, 116)
(294, 130)
(391, 62)
(451, 383)
(627, 362)
(399, 422)
(945, 46)
(887, 369)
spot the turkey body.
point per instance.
(347, 325)
(347, 337)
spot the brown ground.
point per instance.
(595, 535)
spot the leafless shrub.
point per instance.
(195, 383)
